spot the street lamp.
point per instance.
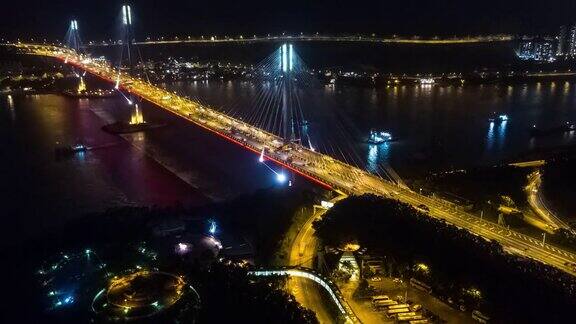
(281, 177)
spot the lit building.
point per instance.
(562, 39)
(537, 49)
(572, 42)
(544, 50)
(524, 50)
(349, 265)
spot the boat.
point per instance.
(71, 149)
(499, 118)
(379, 137)
(567, 127)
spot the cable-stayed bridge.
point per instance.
(323, 169)
(275, 127)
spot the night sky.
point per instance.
(97, 18)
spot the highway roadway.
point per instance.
(320, 168)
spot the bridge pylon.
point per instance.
(127, 35)
(286, 66)
(72, 37)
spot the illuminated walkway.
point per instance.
(322, 169)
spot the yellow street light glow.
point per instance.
(352, 247)
(422, 267)
(474, 292)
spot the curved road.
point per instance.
(302, 254)
(538, 205)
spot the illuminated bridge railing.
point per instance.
(325, 283)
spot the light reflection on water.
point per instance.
(114, 172)
(10, 101)
(502, 134)
(490, 137)
(496, 135)
(10, 104)
(377, 153)
(448, 122)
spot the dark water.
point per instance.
(438, 127)
(40, 192)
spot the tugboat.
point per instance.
(379, 137)
(136, 124)
(567, 127)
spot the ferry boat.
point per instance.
(499, 118)
(379, 137)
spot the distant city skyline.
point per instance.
(98, 19)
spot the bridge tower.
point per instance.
(286, 66)
(73, 36)
(127, 34)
